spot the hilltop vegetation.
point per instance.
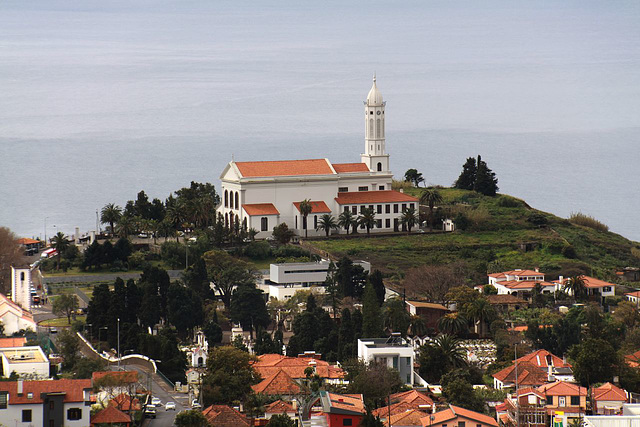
(493, 238)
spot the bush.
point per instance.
(258, 250)
(461, 221)
(136, 260)
(579, 218)
(568, 251)
(537, 218)
(478, 216)
(555, 247)
(173, 254)
(509, 202)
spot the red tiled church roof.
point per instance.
(285, 168)
(254, 209)
(316, 207)
(350, 167)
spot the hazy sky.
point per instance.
(173, 89)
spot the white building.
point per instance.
(46, 403)
(14, 318)
(520, 282)
(28, 362)
(264, 194)
(21, 286)
(285, 279)
(394, 351)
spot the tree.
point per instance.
(453, 323)
(430, 198)
(440, 356)
(413, 176)
(65, 305)
(459, 391)
(331, 287)
(184, 309)
(467, 177)
(191, 418)
(374, 380)
(229, 376)
(371, 318)
(305, 209)
(350, 278)
(395, 315)
(212, 330)
(327, 223)
(126, 226)
(227, 272)
(577, 287)
(417, 326)
(482, 313)
(282, 233)
(375, 278)
(346, 337)
(248, 307)
(370, 420)
(60, 244)
(346, 219)
(281, 420)
(593, 361)
(10, 254)
(486, 181)
(110, 214)
(367, 219)
(434, 281)
(409, 219)
(69, 346)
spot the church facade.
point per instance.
(265, 194)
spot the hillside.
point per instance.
(491, 242)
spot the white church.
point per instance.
(267, 193)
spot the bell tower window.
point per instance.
(379, 166)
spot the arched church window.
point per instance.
(370, 128)
(379, 167)
(382, 135)
(22, 276)
(226, 220)
(237, 204)
(378, 128)
(226, 199)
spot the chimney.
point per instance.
(550, 376)
(402, 190)
(537, 269)
(20, 390)
(77, 236)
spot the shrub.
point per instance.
(537, 218)
(555, 247)
(635, 252)
(258, 250)
(579, 218)
(509, 202)
(401, 185)
(136, 260)
(173, 254)
(568, 251)
(461, 221)
(479, 216)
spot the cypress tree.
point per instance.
(486, 182)
(467, 178)
(371, 316)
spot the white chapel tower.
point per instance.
(375, 156)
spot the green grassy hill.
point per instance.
(497, 227)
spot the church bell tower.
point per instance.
(374, 156)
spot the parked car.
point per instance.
(156, 401)
(150, 411)
(170, 406)
(195, 404)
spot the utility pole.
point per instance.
(118, 343)
(515, 350)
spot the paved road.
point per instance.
(106, 277)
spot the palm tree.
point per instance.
(60, 243)
(345, 220)
(110, 214)
(305, 210)
(176, 217)
(430, 197)
(409, 219)
(451, 350)
(327, 223)
(417, 326)
(367, 218)
(453, 323)
(126, 226)
(576, 286)
(481, 312)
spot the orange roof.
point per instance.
(454, 412)
(278, 383)
(73, 390)
(562, 388)
(609, 392)
(524, 284)
(411, 417)
(633, 294)
(589, 282)
(516, 273)
(633, 359)
(384, 196)
(110, 415)
(13, 342)
(124, 402)
(279, 407)
(285, 168)
(397, 408)
(528, 374)
(316, 207)
(539, 358)
(225, 416)
(254, 209)
(27, 241)
(128, 376)
(348, 402)
(412, 396)
(269, 364)
(350, 167)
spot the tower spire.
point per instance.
(375, 156)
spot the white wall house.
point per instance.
(46, 403)
(21, 286)
(14, 318)
(520, 282)
(28, 362)
(394, 351)
(264, 194)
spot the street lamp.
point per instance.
(118, 343)
(100, 334)
(45, 231)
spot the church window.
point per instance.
(378, 147)
(226, 220)
(411, 205)
(382, 126)
(395, 208)
(226, 199)
(379, 209)
(395, 223)
(381, 188)
(296, 222)
(371, 208)
(378, 128)
(343, 189)
(404, 207)
(354, 210)
(346, 208)
(237, 204)
(378, 223)
(379, 166)
(264, 223)
(370, 112)
(387, 223)
(371, 128)
(362, 208)
(315, 221)
(387, 208)
(22, 276)
(364, 188)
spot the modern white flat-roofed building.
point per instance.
(28, 362)
(264, 194)
(394, 351)
(285, 279)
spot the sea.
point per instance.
(99, 100)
